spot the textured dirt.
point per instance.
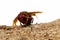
(42, 31)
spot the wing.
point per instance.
(34, 13)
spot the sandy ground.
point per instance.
(42, 31)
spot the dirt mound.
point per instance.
(42, 31)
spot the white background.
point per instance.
(9, 9)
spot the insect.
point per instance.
(25, 18)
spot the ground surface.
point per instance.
(42, 31)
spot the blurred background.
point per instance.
(9, 9)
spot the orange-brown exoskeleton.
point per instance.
(25, 18)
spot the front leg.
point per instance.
(15, 21)
(20, 24)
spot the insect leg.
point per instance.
(37, 19)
